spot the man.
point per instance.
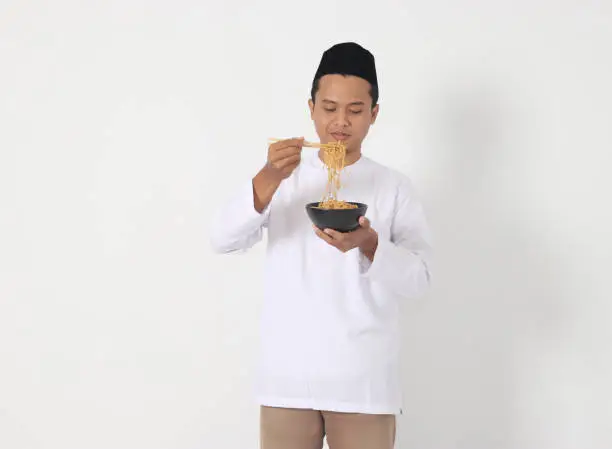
(330, 341)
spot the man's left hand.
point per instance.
(365, 238)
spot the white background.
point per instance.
(123, 124)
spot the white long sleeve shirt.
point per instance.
(330, 330)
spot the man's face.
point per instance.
(343, 110)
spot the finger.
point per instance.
(285, 152)
(339, 236)
(364, 222)
(295, 142)
(288, 162)
(324, 236)
(278, 155)
(286, 171)
(281, 144)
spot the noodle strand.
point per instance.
(334, 158)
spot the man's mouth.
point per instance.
(340, 136)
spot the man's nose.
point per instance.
(342, 119)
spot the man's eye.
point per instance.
(356, 111)
(329, 110)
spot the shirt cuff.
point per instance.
(242, 210)
(371, 269)
(237, 219)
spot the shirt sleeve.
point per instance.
(237, 226)
(402, 262)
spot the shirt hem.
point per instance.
(328, 406)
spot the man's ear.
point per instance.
(374, 114)
(311, 107)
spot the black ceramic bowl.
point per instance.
(341, 220)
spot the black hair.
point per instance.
(373, 91)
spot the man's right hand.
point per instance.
(284, 157)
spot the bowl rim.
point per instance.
(358, 204)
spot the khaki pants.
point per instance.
(283, 428)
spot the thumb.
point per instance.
(364, 222)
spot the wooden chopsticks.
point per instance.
(309, 144)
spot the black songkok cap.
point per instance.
(348, 58)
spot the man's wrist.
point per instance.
(265, 184)
(369, 246)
